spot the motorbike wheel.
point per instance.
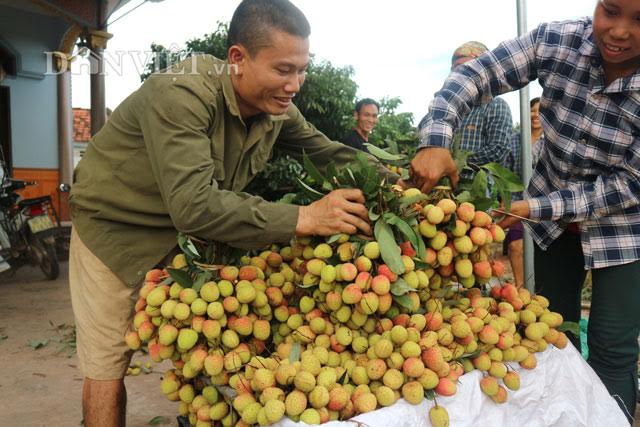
(44, 252)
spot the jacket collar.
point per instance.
(232, 101)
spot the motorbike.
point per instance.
(28, 228)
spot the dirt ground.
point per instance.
(43, 387)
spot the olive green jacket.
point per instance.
(175, 156)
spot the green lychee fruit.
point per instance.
(187, 338)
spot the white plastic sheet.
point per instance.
(563, 391)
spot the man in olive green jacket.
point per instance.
(175, 156)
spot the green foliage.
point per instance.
(213, 44)
(572, 327)
(279, 177)
(327, 97)
(394, 216)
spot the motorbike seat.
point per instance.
(34, 201)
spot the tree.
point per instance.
(327, 98)
(213, 44)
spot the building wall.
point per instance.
(34, 100)
(34, 122)
(34, 117)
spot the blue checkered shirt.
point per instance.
(513, 160)
(486, 132)
(589, 167)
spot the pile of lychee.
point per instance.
(320, 331)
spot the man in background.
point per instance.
(366, 115)
(486, 130)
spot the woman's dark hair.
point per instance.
(534, 101)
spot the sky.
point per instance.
(397, 48)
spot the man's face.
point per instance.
(367, 118)
(616, 29)
(267, 81)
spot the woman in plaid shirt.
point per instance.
(584, 195)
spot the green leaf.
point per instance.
(483, 203)
(572, 327)
(393, 146)
(400, 287)
(421, 250)
(36, 344)
(169, 280)
(313, 172)
(288, 198)
(294, 354)
(480, 185)
(420, 264)
(201, 279)
(404, 301)
(209, 256)
(389, 249)
(451, 303)
(464, 196)
(311, 190)
(382, 154)
(311, 285)
(182, 277)
(459, 156)
(228, 392)
(408, 201)
(158, 420)
(363, 160)
(331, 171)
(343, 378)
(471, 355)
(430, 394)
(408, 232)
(334, 238)
(372, 215)
(353, 178)
(3, 337)
(505, 194)
(187, 246)
(511, 180)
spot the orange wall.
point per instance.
(47, 182)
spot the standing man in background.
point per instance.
(486, 130)
(366, 115)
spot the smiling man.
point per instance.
(584, 195)
(366, 115)
(175, 156)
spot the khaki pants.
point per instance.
(103, 307)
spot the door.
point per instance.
(5, 128)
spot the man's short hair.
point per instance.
(366, 101)
(254, 20)
(534, 101)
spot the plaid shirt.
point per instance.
(486, 132)
(589, 168)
